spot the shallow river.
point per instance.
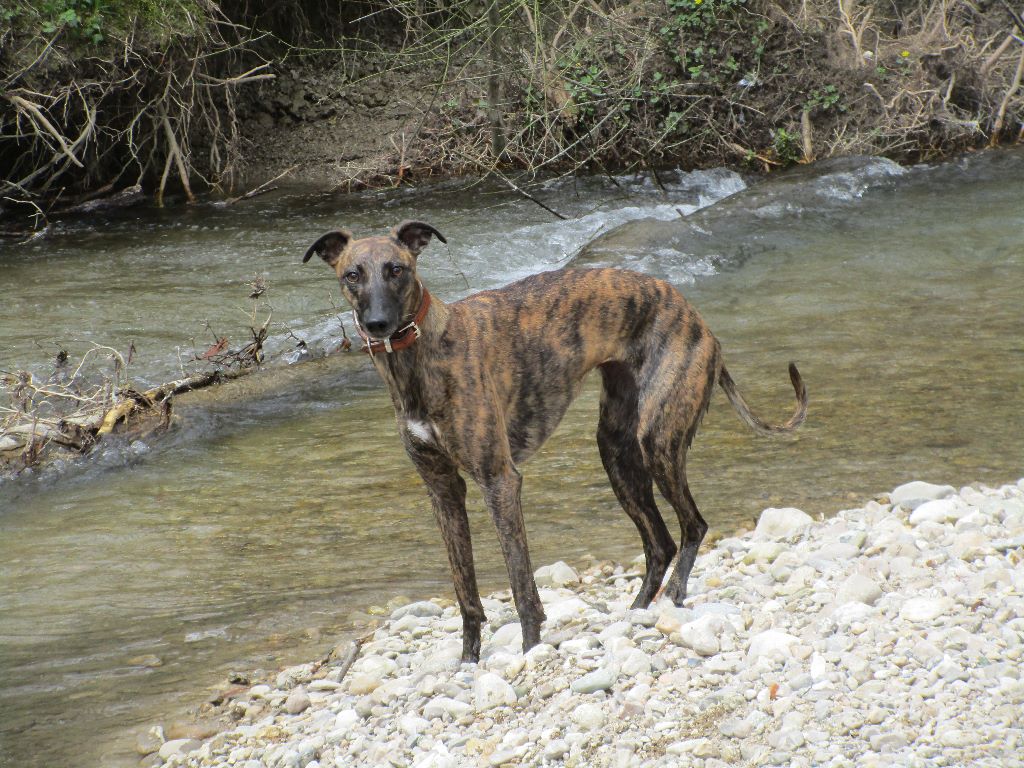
(281, 507)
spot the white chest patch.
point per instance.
(420, 430)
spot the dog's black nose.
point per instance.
(376, 327)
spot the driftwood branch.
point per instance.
(245, 77)
(263, 188)
(77, 406)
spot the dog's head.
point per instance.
(378, 274)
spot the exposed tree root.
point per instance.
(122, 114)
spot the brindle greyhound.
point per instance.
(479, 385)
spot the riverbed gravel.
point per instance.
(887, 635)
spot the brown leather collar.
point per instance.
(401, 339)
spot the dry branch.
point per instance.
(126, 109)
(37, 117)
(75, 408)
(997, 126)
(855, 24)
(174, 153)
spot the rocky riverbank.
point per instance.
(891, 634)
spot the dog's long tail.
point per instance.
(759, 426)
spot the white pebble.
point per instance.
(490, 691)
(781, 523)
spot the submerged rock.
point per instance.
(753, 221)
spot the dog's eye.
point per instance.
(397, 270)
(352, 276)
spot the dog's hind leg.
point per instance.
(623, 461)
(693, 529)
(666, 456)
(669, 424)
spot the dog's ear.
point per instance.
(329, 247)
(415, 235)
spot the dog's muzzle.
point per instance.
(401, 339)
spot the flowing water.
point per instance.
(280, 507)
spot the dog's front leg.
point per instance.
(502, 495)
(447, 492)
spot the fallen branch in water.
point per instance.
(73, 409)
(104, 199)
(45, 415)
(261, 189)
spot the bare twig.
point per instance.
(855, 23)
(37, 116)
(997, 126)
(263, 188)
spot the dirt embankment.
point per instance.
(105, 98)
(329, 129)
(647, 84)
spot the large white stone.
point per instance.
(717, 608)
(858, 588)
(560, 609)
(615, 630)
(589, 717)
(921, 610)
(555, 749)
(581, 644)
(600, 679)
(346, 719)
(443, 705)
(437, 757)
(771, 643)
(911, 495)
(391, 690)
(735, 728)
(179, 747)
(556, 575)
(819, 667)
(938, 511)
(444, 656)
(298, 701)
(633, 662)
(781, 523)
(369, 672)
(672, 618)
(850, 613)
(490, 691)
(411, 725)
(292, 676)
(764, 552)
(972, 545)
(509, 634)
(422, 609)
(703, 635)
